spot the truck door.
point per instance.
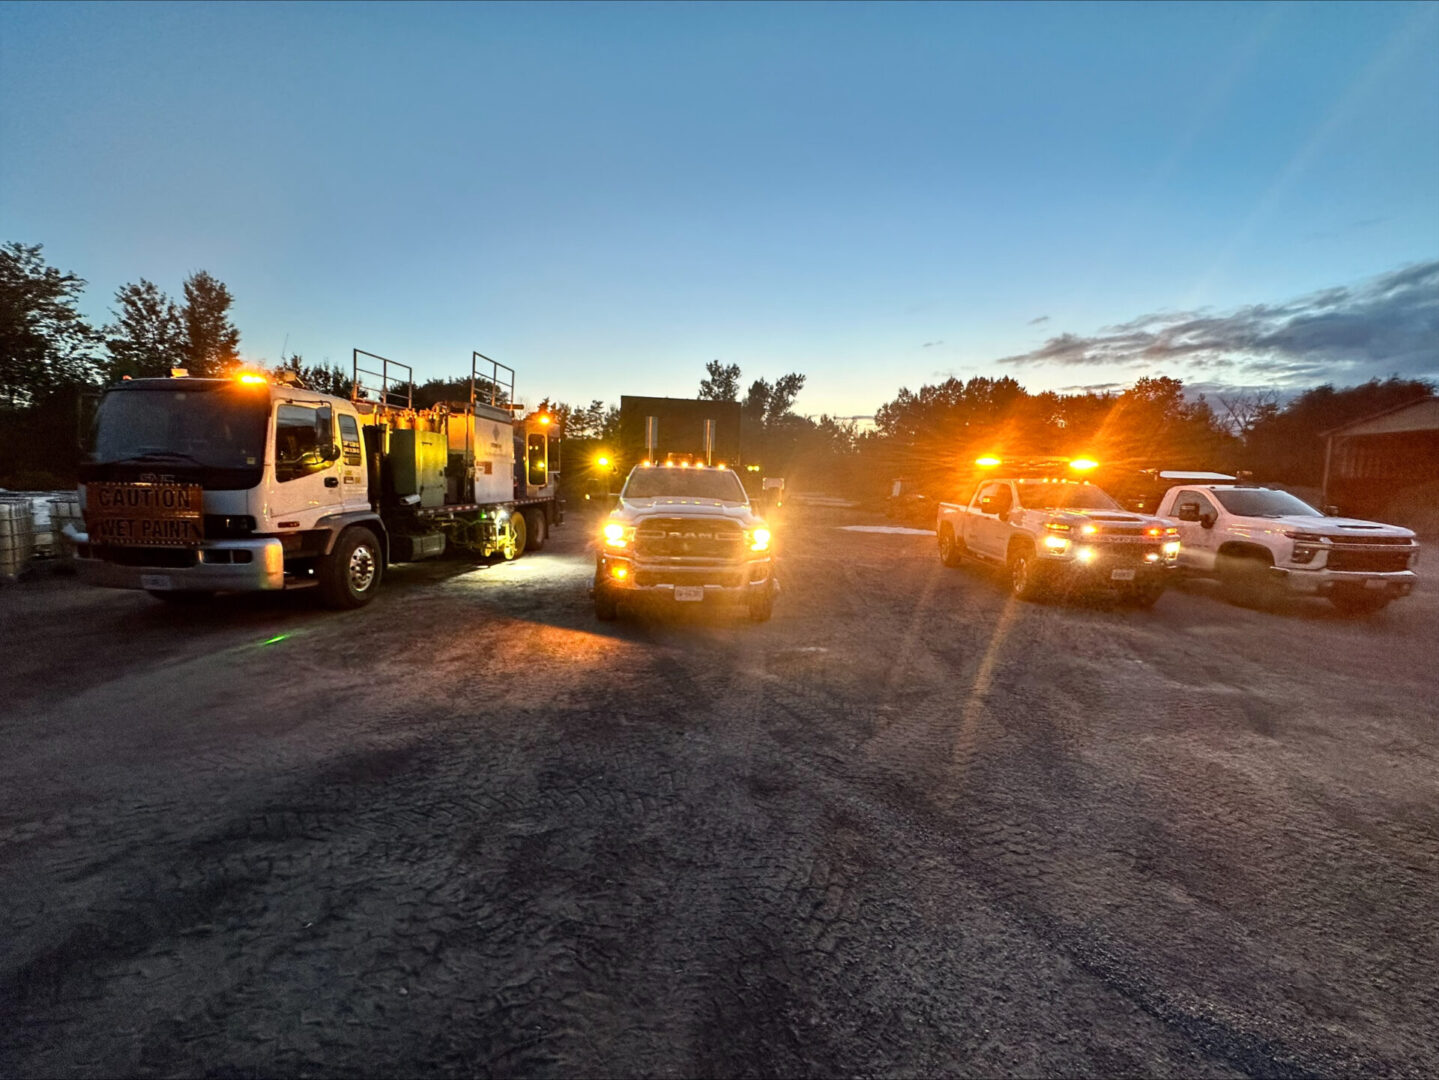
(989, 533)
(307, 466)
(1197, 545)
(354, 480)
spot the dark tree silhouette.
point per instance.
(147, 338)
(212, 343)
(44, 343)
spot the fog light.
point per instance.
(619, 573)
(1086, 554)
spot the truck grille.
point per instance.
(169, 558)
(686, 538)
(1129, 553)
(691, 575)
(1374, 562)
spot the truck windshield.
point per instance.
(1064, 497)
(1261, 502)
(217, 428)
(651, 483)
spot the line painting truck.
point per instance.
(250, 482)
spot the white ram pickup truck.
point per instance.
(1262, 543)
(1058, 535)
(684, 534)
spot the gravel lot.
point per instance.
(908, 827)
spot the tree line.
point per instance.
(46, 344)
(50, 355)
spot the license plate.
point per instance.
(689, 592)
(160, 582)
(1121, 575)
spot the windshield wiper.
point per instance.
(158, 455)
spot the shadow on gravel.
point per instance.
(1307, 608)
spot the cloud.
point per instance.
(1092, 388)
(1038, 321)
(931, 344)
(1387, 325)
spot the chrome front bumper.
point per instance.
(215, 570)
(661, 578)
(1321, 581)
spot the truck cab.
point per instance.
(206, 485)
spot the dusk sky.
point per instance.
(605, 197)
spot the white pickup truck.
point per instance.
(1262, 543)
(1057, 535)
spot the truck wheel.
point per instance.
(1245, 580)
(761, 604)
(520, 533)
(1359, 601)
(350, 574)
(1026, 579)
(949, 552)
(535, 522)
(607, 608)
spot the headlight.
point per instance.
(1306, 546)
(1056, 543)
(617, 535)
(1171, 549)
(758, 539)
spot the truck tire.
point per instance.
(761, 604)
(1359, 601)
(350, 574)
(1026, 577)
(535, 522)
(607, 608)
(949, 552)
(1246, 581)
(520, 530)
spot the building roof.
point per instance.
(1419, 415)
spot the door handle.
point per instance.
(332, 481)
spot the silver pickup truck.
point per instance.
(1060, 535)
(1262, 543)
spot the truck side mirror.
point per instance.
(1207, 519)
(330, 452)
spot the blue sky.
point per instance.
(608, 196)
